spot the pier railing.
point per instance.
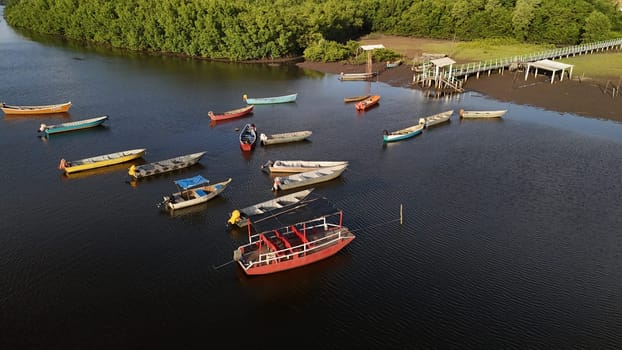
(466, 69)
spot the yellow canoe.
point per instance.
(47, 109)
(100, 161)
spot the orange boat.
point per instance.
(46, 109)
(294, 245)
(240, 112)
(367, 103)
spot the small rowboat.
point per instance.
(482, 114)
(367, 103)
(284, 137)
(356, 76)
(405, 133)
(438, 118)
(240, 112)
(100, 161)
(394, 64)
(46, 109)
(248, 137)
(299, 166)
(270, 100)
(307, 178)
(71, 126)
(241, 217)
(165, 166)
(355, 98)
(192, 191)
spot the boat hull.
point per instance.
(438, 118)
(72, 126)
(367, 103)
(236, 113)
(299, 166)
(355, 98)
(393, 138)
(165, 166)
(28, 110)
(481, 114)
(102, 161)
(356, 76)
(284, 137)
(271, 100)
(248, 138)
(298, 262)
(308, 178)
(293, 245)
(241, 219)
(195, 196)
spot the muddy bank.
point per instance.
(584, 97)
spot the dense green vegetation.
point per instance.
(320, 29)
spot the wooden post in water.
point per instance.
(401, 217)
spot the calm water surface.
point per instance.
(511, 233)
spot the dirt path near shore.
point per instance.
(584, 97)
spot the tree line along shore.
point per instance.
(318, 30)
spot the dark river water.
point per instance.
(511, 235)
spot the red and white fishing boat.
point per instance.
(293, 245)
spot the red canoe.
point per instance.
(240, 112)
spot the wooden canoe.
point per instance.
(248, 137)
(307, 178)
(367, 103)
(270, 100)
(100, 161)
(235, 113)
(299, 166)
(193, 194)
(405, 133)
(241, 217)
(482, 114)
(164, 166)
(356, 76)
(284, 137)
(71, 126)
(394, 64)
(355, 98)
(438, 118)
(45, 109)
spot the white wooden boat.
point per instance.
(284, 137)
(192, 191)
(164, 166)
(438, 118)
(299, 166)
(100, 161)
(307, 178)
(356, 76)
(482, 114)
(241, 217)
(71, 126)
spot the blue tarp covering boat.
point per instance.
(191, 182)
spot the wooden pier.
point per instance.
(455, 77)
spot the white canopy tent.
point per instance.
(551, 66)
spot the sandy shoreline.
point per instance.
(584, 97)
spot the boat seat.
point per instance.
(201, 193)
